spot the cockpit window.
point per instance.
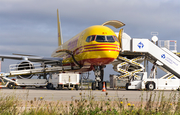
(101, 38)
(90, 38)
(110, 39)
(116, 38)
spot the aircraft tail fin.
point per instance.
(59, 30)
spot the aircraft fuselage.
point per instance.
(95, 46)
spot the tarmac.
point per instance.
(69, 95)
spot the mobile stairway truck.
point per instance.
(129, 67)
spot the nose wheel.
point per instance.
(99, 76)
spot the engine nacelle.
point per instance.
(25, 65)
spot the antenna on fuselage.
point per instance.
(60, 41)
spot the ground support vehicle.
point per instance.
(42, 81)
(117, 83)
(14, 83)
(136, 51)
(55, 81)
(62, 80)
(167, 82)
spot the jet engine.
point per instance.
(25, 65)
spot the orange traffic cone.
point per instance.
(104, 89)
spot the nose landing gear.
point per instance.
(99, 75)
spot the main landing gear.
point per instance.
(99, 75)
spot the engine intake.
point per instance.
(25, 65)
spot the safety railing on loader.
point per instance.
(33, 68)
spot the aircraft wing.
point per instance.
(45, 60)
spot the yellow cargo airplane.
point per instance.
(91, 49)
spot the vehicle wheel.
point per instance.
(60, 87)
(76, 87)
(127, 84)
(49, 86)
(93, 87)
(100, 85)
(11, 85)
(150, 86)
(52, 87)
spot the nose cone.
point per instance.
(100, 61)
(103, 54)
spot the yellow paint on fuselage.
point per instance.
(85, 51)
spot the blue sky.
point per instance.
(30, 26)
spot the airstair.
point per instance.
(163, 57)
(135, 51)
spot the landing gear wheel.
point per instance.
(93, 87)
(11, 85)
(76, 87)
(100, 86)
(105, 84)
(150, 86)
(102, 75)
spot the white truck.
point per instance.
(24, 71)
(59, 81)
(167, 82)
(55, 81)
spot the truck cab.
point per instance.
(166, 82)
(136, 81)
